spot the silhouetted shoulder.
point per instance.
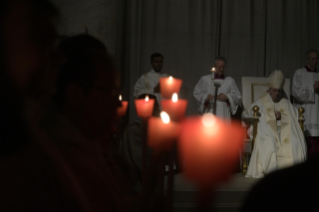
(288, 189)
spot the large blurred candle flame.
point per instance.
(165, 117)
(147, 98)
(120, 97)
(174, 97)
(213, 69)
(208, 120)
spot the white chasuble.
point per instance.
(302, 90)
(276, 147)
(227, 87)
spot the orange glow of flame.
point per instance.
(147, 98)
(170, 80)
(165, 117)
(174, 97)
(120, 97)
(208, 120)
(213, 69)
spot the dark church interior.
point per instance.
(159, 105)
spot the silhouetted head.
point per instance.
(27, 33)
(87, 85)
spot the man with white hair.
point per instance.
(280, 141)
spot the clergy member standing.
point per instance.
(149, 82)
(228, 96)
(305, 89)
(280, 141)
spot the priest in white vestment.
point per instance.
(228, 96)
(149, 82)
(280, 141)
(305, 89)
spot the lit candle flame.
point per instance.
(147, 98)
(120, 97)
(174, 97)
(165, 117)
(170, 80)
(208, 120)
(213, 69)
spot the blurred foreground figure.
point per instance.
(134, 137)
(27, 34)
(290, 189)
(87, 98)
(280, 141)
(31, 169)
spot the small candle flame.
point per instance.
(174, 97)
(165, 117)
(213, 69)
(147, 98)
(120, 97)
(170, 80)
(208, 120)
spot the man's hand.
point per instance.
(209, 97)
(157, 88)
(277, 115)
(222, 97)
(316, 86)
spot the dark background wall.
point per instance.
(256, 37)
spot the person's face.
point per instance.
(312, 60)
(157, 64)
(27, 38)
(275, 94)
(99, 103)
(219, 67)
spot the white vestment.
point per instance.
(278, 144)
(228, 87)
(302, 90)
(146, 84)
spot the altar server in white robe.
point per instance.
(149, 82)
(280, 141)
(305, 89)
(228, 95)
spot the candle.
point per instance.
(162, 132)
(212, 82)
(175, 108)
(122, 110)
(144, 107)
(169, 85)
(209, 148)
